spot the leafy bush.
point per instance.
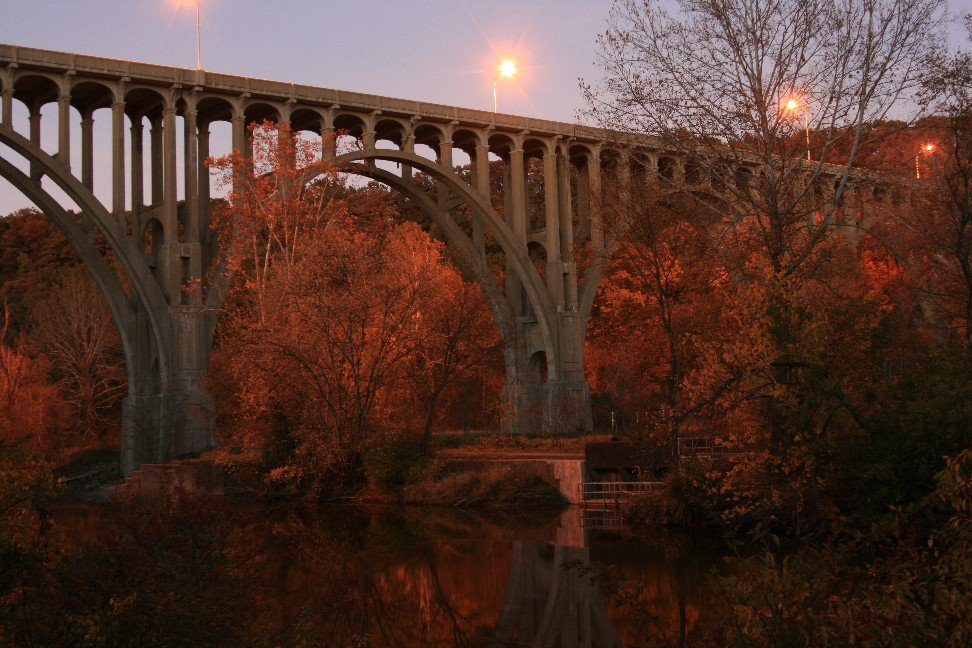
(903, 583)
(685, 500)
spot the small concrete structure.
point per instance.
(566, 471)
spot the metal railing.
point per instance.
(603, 519)
(614, 490)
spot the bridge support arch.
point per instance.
(165, 413)
(543, 337)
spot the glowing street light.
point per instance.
(505, 70)
(925, 150)
(792, 105)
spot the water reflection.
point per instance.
(419, 577)
(552, 599)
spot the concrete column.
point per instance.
(328, 144)
(35, 138)
(118, 158)
(408, 146)
(624, 179)
(170, 196)
(480, 180)
(6, 100)
(482, 171)
(203, 185)
(138, 170)
(87, 149)
(192, 207)
(596, 199)
(239, 134)
(445, 159)
(518, 194)
(445, 153)
(581, 177)
(64, 129)
(517, 217)
(170, 257)
(368, 139)
(566, 230)
(156, 154)
(551, 204)
(191, 171)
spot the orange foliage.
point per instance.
(344, 321)
(31, 410)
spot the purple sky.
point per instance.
(442, 51)
(435, 50)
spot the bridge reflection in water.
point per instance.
(552, 600)
(419, 577)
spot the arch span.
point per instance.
(153, 430)
(543, 327)
(515, 253)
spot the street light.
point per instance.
(925, 149)
(198, 30)
(198, 35)
(792, 105)
(505, 70)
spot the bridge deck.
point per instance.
(167, 76)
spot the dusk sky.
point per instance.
(435, 50)
(442, 51)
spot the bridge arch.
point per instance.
(147, 370)
(516, 254)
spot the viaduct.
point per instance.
(156, 224)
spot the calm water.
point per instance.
(440, 577)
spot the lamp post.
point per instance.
(926, 148)
(505, 70)
(198, 35)
(197, 3)
(792, 105)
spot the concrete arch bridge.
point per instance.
(156, 121)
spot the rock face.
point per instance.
(193, 478)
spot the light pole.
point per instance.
(198, 35)
(198, 4)
(505, 70)
(927, 148)
(792, 105)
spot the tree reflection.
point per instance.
(229, 572)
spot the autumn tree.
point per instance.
(33, 255)
(31, 410)
(76, 331)
(733, 89)
(714, 82)
(459, 334)
(947, 239)
(661, 279)
(342, 312)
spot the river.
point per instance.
(345, 576)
